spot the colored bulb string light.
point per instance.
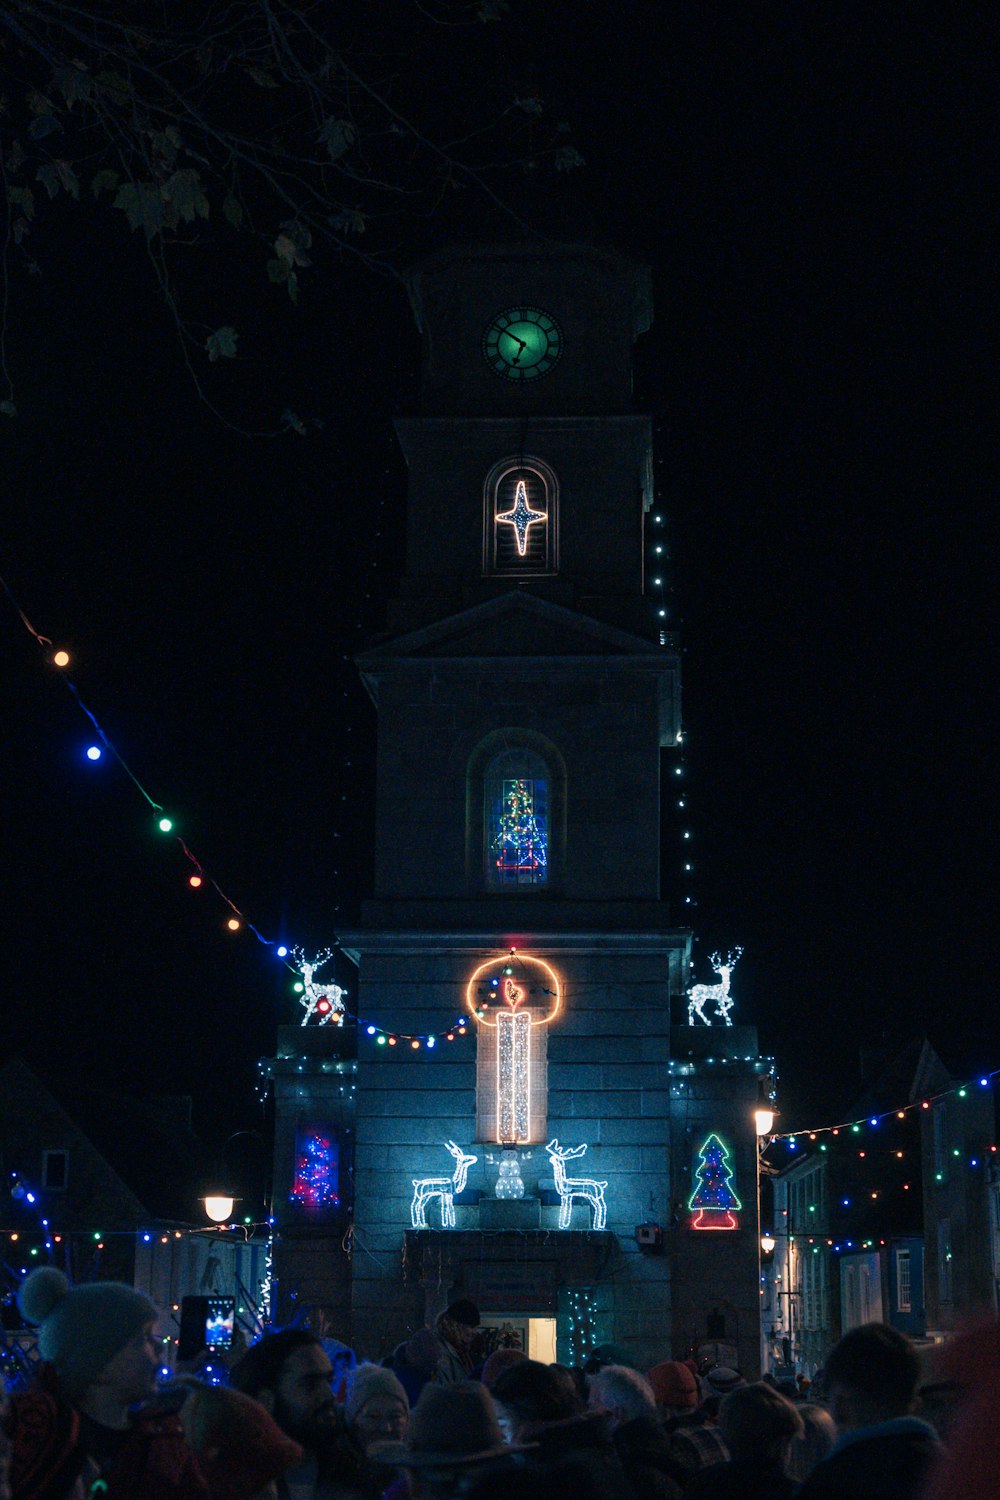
(872, 1121)
(201, 875)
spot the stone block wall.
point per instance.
(608, 1081)
(714, 1089)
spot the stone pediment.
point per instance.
(516, 624)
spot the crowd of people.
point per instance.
(301, 1420)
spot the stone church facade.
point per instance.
(516, 965)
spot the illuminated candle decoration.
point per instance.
(713, 1198)
(519, 824)
(513, 1077)
(521, 517)
(514, 983)
(425, 1189)
(316, 1181)
(700, 994)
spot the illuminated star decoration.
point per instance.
(521, 517)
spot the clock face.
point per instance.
(522, 343)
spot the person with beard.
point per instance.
(289, 1373)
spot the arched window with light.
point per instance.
(520, 532)
(516, 811)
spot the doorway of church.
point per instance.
(536, 1336)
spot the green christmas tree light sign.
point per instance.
(713, 1198)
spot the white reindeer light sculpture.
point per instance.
(325, 1002)
(569, 1188)
(445, 1188)
(700, 994)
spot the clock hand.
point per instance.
(516, 341)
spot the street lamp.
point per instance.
(767, 1243)
(765, 1112)
(219, 1207)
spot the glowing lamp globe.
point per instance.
(218, 1207)
(763, 1119)
(767, 1243)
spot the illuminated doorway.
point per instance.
(536, 1336)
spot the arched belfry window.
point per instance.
(517, 799)
(520, 532)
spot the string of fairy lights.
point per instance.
(964, 1090)
(199, 877)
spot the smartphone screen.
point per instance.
(220, 1318)
(206, 1322)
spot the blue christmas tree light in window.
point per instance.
(713, 1198)
(519, 831)
(316, 1181)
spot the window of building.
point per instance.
(316, 1178)
(515, 812)
(903, 1303)
(55, 1171)
(517, 820)
(520, 533)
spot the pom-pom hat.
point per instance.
(81, 1328)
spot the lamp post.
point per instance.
(220, 1201)
(763, 1115)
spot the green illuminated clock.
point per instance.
(522, 343)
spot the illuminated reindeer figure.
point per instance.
(445, 1188)
(324, 1001)
(569, 1188)
(699, 994)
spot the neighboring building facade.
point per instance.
(516, 967)
(961, 1188)
(849, 1217)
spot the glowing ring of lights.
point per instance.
(512, 957)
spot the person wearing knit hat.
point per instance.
(82, 1329)
(674, 1386)
(241, 1448)
(98, 1352)
(377, 1408)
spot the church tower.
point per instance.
(516, 1129)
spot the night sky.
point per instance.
(806, 186)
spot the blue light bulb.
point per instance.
(93, 752)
